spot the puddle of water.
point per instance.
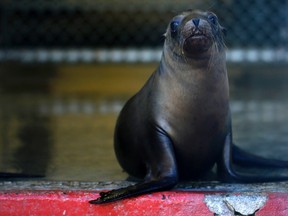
(59, 121)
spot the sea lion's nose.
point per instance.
(196, 21)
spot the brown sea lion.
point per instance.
(178, 126)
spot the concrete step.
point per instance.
(204, 198)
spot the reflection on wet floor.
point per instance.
(59, 122)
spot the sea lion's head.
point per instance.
(194, 34)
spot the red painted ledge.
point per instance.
(176, 202)
(76, 203)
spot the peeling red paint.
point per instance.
(178, 203)
(277, 205)
(76, 203)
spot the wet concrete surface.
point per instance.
(58, 120)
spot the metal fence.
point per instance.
(98, 30)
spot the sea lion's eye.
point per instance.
(174, 27)
(213, 19)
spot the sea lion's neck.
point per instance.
(171, 62)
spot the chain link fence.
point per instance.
(132, 30)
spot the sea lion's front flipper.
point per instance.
(161, 172)
(243, 158)
(135, 190)
(228, 173)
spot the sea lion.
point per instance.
(178, 126)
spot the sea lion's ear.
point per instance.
(165, 35)
(224, 31)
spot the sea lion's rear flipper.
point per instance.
(5, 175)
(161, 171)
(243, 158)
(227, 171)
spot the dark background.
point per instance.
(95, 23)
